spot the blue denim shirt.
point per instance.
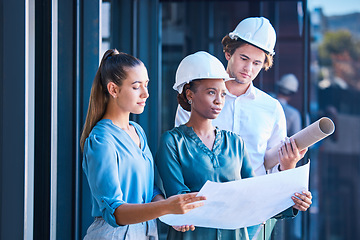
(118, 171)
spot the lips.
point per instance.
(141, 103)
(216, 110)
(245, 75)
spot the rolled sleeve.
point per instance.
(108, 207)
(100, 166)
(156, 192)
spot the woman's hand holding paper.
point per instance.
(302, 201)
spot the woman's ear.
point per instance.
(113, 89)
(189, 94)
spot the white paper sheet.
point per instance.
(245, 202)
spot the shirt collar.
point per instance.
(250, 92)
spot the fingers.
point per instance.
(294, 147)
(183, 203)
(191, 197)
(306, 197)
(286, 151)
(289, 154)
(299, 205)
(184, 228)
(193, 201)
(189, 207)
(302, 201)
(283, 151)
(291, 148)
(177, 228)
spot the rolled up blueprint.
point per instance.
(303, 139)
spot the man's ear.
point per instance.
(227, 56)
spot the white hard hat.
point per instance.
(289, 83)
(258, 31)
(200, 65)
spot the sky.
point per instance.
(335, 7)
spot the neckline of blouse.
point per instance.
(216, 147)
(141, 148)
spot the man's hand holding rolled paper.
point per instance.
(289, 154)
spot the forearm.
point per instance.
(271, 157)
(135, 213)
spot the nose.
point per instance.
(248, 66)
(145, 93)
(218, 99)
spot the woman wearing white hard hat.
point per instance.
(257, 117)
(195, 152)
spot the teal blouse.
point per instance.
(185, 164)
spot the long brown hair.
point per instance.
(113, 68)
(230, 46)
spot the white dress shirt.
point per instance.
(257, 117)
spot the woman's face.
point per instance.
(133, 92)
(208, 98)
(245, 64)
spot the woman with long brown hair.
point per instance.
(116, 158)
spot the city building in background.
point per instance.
(334, 92)
(50, 51)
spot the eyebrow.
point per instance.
(245, 56)
(140, 82)
(216, 89)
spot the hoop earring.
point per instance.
(190, 101)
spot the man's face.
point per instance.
(245, 64)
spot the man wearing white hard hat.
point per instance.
(257, 117)
(196, 152)
(287, 86)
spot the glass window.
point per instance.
(335, 92)
(105, 25)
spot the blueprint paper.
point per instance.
(245, 202)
